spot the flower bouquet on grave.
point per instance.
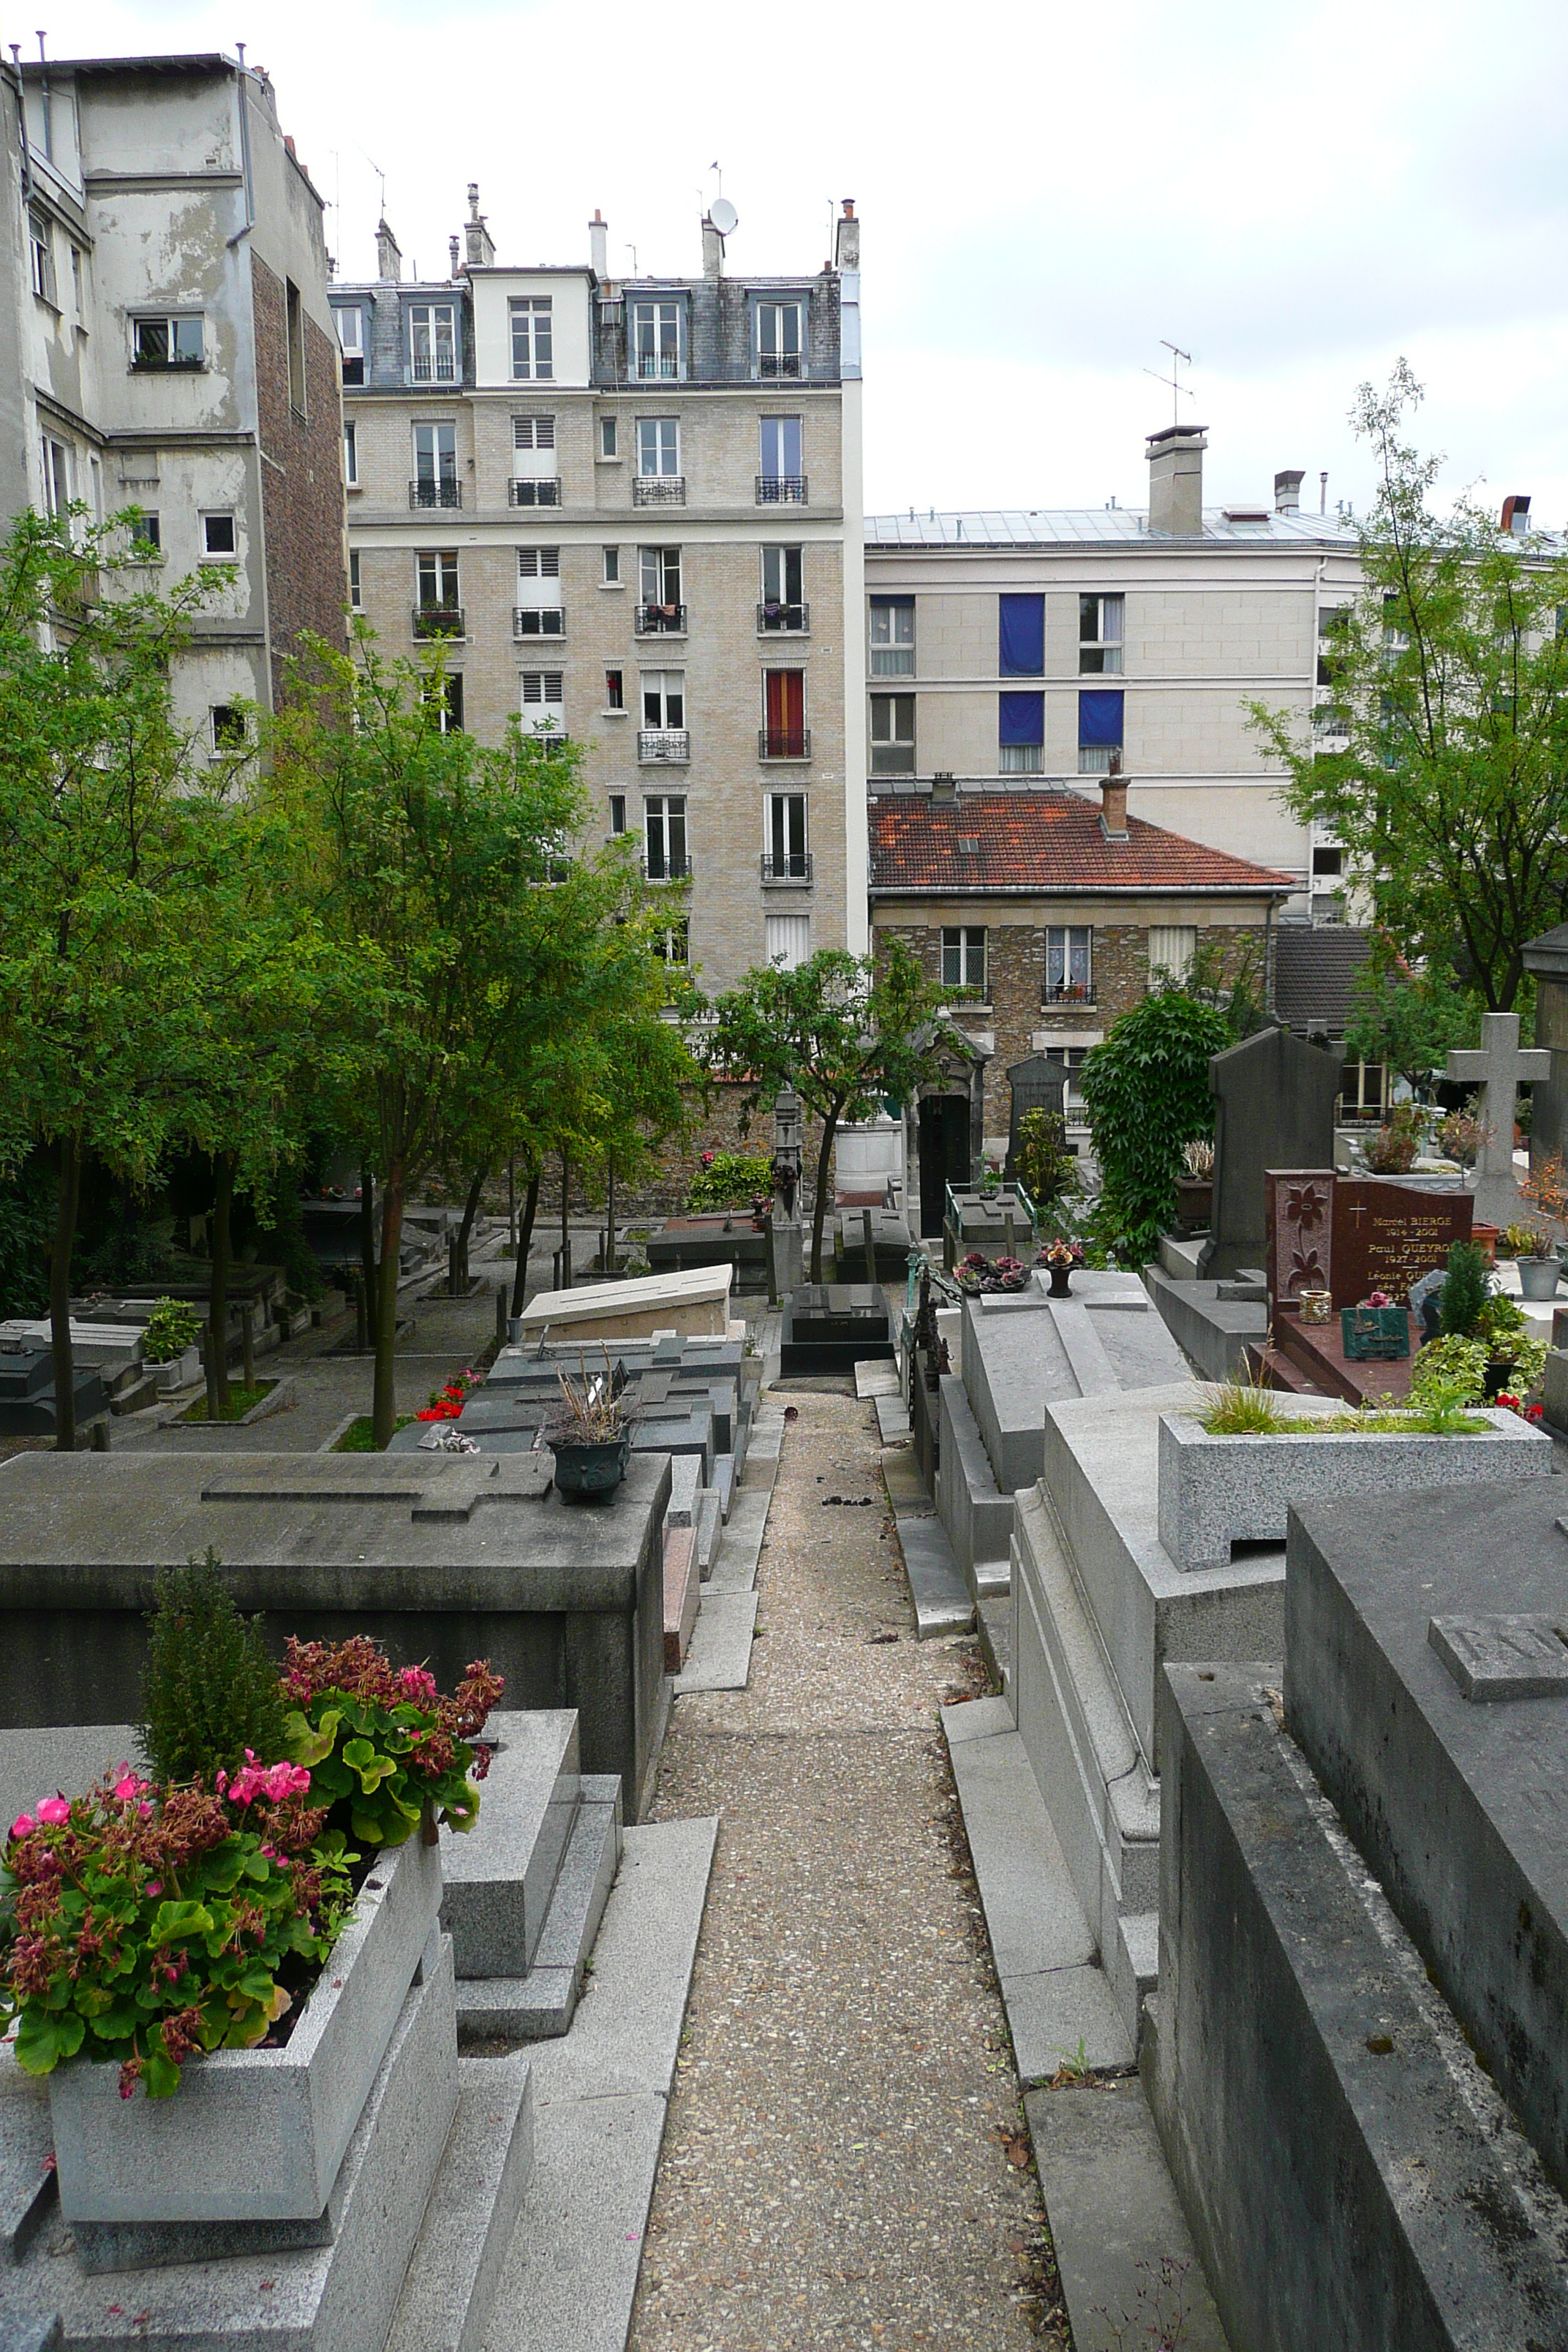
(446, 1403)
(1060, 1257)
(970, 1273)
(383, 1748)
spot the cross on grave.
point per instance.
(1501, 1068)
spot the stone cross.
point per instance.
(1500, 1066)
(789, 1142)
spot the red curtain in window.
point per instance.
(785, 708)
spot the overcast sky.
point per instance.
(1294, 193)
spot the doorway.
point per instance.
(943, 1154)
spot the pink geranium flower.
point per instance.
(419, 1684)
(23, 1825)
(129, 1786)
(53, 1812)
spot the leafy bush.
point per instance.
(382, 1745)
(1455, 1361)
(1464, 1289)
(153, 1924)
(731, 1179)
(1045, 1165)
(1147, 1092)
(209, 1692)
(171, 1328)
(26, 1226)
(1392, 1149)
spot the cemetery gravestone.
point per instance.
(789, 1157)
(1546, 960)
(1274, 1107)
(1352, 1235)
(1499, 1065)
(1036, 1083)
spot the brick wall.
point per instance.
(302, 478)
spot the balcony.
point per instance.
(775, 366)
(1078, 994)
(439, 621)
(661, 620)
(434, 493)
(783, 743)
(656, 367)
(783, 620)
(663, 747)
(675, 867)
(433, 367)
(781, 489)
(658, 489)
(793, 872)
(529, 621)
(539, 491)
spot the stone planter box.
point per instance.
(181, 1372)
(1219, 1491)
(254, 2135)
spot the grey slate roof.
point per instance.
(1313, 970)
(1096, 525)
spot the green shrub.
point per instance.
(1147, 1093)
(1464, 1289)
(171, 1328)
(209, 1690)
(731, 1179)
(1045, 1165)
(1454, 1361)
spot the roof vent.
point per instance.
(1287, 490)
(1245, 514)
(944, 785)
(969, 845)
(1516, 515)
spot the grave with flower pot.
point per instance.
(1356, 1239)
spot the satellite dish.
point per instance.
(723, 215)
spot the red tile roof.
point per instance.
(1041, 845)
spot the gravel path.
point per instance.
(844, 2163)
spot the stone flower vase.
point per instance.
(589, 1471)
(1061, 1281)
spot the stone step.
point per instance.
(449, 2291)
(708, 1527)
(540, 2005)
(724, 1482)
(500, 1877)
(682, 1590)
(721, 1656)
(685, 1483)
(977, 1515)
(875, 1379)
(892, 1417)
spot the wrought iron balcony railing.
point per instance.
(772, 365)
(439, 621)
(781, 489)
(658, 489)
(659, 746)
(794, 869)
(539, 621)
(674, 868)
(534, 490)
(783, 620)
(656, 367)
(783, 743)
(661, 620)
(434, 367)
(432, 491)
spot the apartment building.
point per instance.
(169, 346)
(629, 511)
(1033, 648)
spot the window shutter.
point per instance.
(1100, 718)
(1021, 718)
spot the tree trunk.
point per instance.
(66, 1196)
(610, 1214)
(565, 1219)
(525, 1243)
(367, 1247)
(819, 1212)
(471, 1210)
(217, 1297)
(383, 1403)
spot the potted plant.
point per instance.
(1391, 1150)
(1539, 1264)
(1060, 1257)
(169, 1343)
(590, 1436)
(1194, 1185)
(1514, 1241)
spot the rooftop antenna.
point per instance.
(633, 251)
(1323, 491)
(1179, 359)
(381, 175)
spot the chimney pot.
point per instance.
(1176, 481)
(599, 245)
(388, 256)
(1516, 515)
(1113, 804)
(1287, 490)
(452, 249)
(481, 245)
(846, 238)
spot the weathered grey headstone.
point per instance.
(1499, 1065)
(1036, 1083)
(1546, 960)
(1274, 1107)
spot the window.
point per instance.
(535, 482)
(674, 945)
(543, 701)
(664, 839)
(784, 735)
(612, 572)
(1020, 734)
(533, 338)
(788, 941)
(963, 956)
(660, 604)
(57, 476)
(892, 734)
(538, 563)
(166, 342)
(658, 445)
(1327, 858)
(1021, 634)
(228, 729)
(617, 812)
(1098, 730)
(655, 351)
(147, 537)
(609, 437)
(781, 480)
(539, 612)
(781, 587)
(664, 698)
(787, 859)
(435, 466)
(351, 452)
(41, 256)
(1100, 635)
(1172, 947)
(893, 636)
(779, 338)
(1069, 964)
(1072, 1059)
(219, 539)
(432, 342)
(353, 580)
(533, 433)
(350, 343)
(614, 689)
(436, 571)
(295, 312)
(451, 703)
(1330, 626)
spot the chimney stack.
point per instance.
(1176, 481)
(599, 245)
(1516, 515)
(481, 247)
(388, 256)
(1287, 490)
(713, 251)
(944, 788)
(452, 255)
(846, 238)
(1113, 801)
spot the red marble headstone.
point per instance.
(1298, 1231)
(1353, 1234)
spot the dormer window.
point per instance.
(780, 336)
(656, 340)
(533, 339)
(433, 342)
(351, 342)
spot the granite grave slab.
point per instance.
(1274, 1107)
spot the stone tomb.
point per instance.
(689, 1304)
(1365, 1937)
(1274, 1107)
(721, 1238)
(27, 1390)
(1352, 1235)
(830, 1326)
(442, 1558)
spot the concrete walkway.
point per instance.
(845, 2162)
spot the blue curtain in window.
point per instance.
(1023, 636)
(1021, 718)
(1100, 719)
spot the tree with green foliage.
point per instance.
(1410, 1020)
(209, 1691)
(847, 1033)
(1146, 1089)
(107, 824)
(1444, 776)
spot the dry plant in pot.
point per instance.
(591, 1432)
